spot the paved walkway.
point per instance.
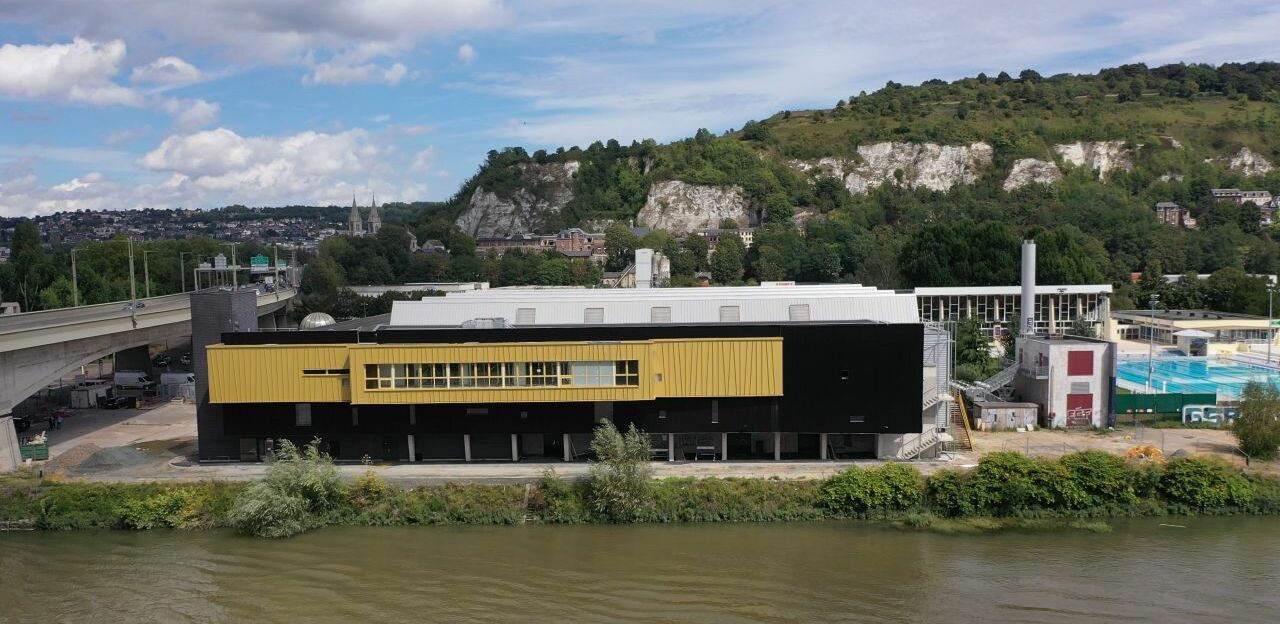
(156, 444)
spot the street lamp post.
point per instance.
(133, 286)
(182, 268)
(1151, 342)
(234, 278)
(75, 283)
(1271, 290)
(146, 271)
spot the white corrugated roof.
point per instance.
(830, 302)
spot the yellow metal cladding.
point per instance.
(700, 367)
(273, 374)
(718, 367)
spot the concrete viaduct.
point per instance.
(38, 348)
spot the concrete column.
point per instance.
(822, 446)
(671, 447)
(466, 446)
(567, 455)
(515, 448)
(413, 454)
(777, 446)
(724, 447)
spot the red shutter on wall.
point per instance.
(1079, 362)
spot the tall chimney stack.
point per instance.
(1028, 288)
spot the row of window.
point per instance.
(502, 374)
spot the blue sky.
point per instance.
(201, 103)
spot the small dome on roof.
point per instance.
(316, 320)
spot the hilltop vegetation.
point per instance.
(1172, 133)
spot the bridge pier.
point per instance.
(133, 359)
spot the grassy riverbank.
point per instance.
(1005, 491)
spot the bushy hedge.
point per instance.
(857, 492)
(1090, 484)
(1094, 483)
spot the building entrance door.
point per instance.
(1079, 410)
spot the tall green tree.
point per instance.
(727, 260)
(1258, 426)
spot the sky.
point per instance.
(135, 103)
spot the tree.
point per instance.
(962, 253)
(1258, 426)
(29, 260)
(321, 280)
(726, 262)
(973, 351)
(297, 493)
(778, 208)
(699, 251)
(620, 479)
(621, 244)
(1084, 328)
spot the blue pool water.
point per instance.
(1186, 374)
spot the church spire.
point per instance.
(355, 227)
(375, 220)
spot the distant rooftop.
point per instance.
(1191, 315)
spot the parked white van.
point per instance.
(169, 379)
(134, 379)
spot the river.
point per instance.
(1214, 569)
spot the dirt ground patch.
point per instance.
(1215, 442)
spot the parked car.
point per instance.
(117, 402)
(160, 361)
(134, 305)
(185, 359)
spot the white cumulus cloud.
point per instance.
(423, 160)
(167, 70)
(466, 53)
(80, 71)
(337, 73)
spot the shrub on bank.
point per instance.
(300, 492)
(1203, 484)
(621, 479)
(859, 492)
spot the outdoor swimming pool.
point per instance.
(1188, 374)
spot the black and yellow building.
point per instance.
(705, 391)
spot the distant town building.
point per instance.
(1058, 308)
(748, 236)
(433, 246)
(1170, 213)
(523, 241)
(1238, 196)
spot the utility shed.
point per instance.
(1004, 416)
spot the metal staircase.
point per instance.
(962, 440)
(920, 445)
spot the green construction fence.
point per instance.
(1160, 403)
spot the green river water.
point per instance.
(1213, 570)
